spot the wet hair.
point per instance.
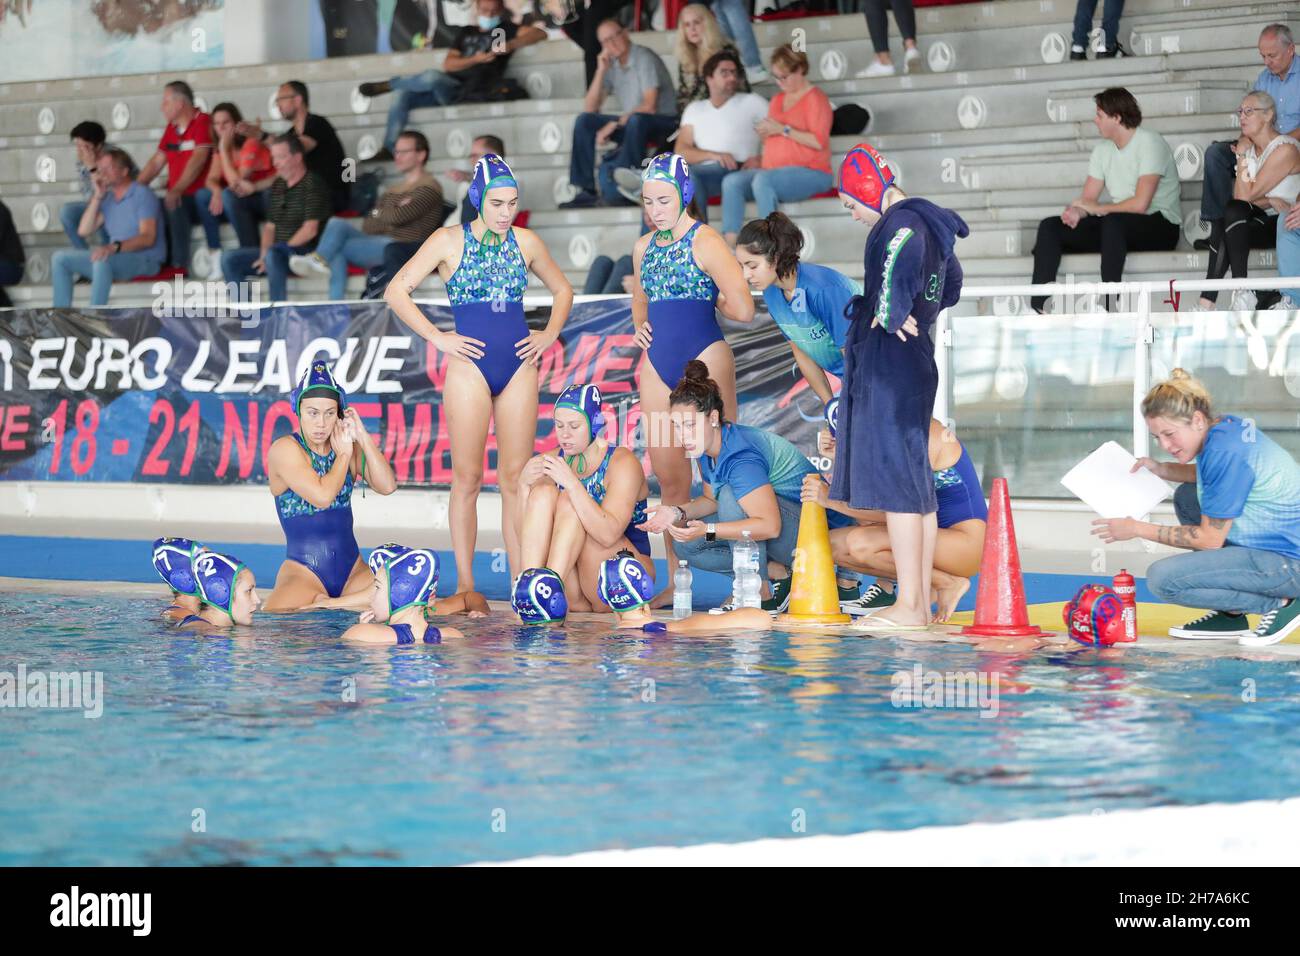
(300, 88)
(90, 131)
(1178, 399)
(419, 139)
(291, 140)
(181, 89)
(1121, 104)
(776, 238)
(493, 143)
(697, 390)
(725, 55)
(794, 61)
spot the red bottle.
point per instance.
(1126, 587)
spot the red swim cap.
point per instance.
(865, 175)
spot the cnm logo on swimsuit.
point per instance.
(75, 908)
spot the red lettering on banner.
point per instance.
(435, 366)
(366, 410)
(58, 423)
(155, 466)
(12, 428)
(608, 362)
(583, 354)
(245, 443)
(398, 450)
(190, 424)
(277, 411)
(84, 444)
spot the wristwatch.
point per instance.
(710, 532)
(117, 246)
(785, 130)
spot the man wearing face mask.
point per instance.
(476, 61)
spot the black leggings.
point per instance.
(1113, 235)
(878, 24)
(583, 30)
(1244, 226)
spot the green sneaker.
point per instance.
(1276, 627)
(873, 599)
(1215, 626)
(779, 602)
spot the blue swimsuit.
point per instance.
(683, 306)
(321, 539)
(189, 619)
(487, 300)
(432, 635)
(595, 485)
(958, 491)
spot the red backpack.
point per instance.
(1095, 616)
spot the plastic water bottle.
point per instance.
(1126, 587)
(682, 579)
(740, 568)
(750, 586)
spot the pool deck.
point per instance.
(1155, 619)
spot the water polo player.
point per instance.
(173, 559)
(402, 601)
(227, 591)
(626, 588)
(466, 602)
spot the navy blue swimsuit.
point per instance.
(320, 538)
(487, 300)
(595, 485)
(432, 635)
(958, 493)
(683, 311)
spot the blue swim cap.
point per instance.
(625, 584)
(585, 399)
(671, 168)
(489, 172)
(383, 554)
(173, 559)
(833, 414)
(216, 574)
(538, 597)
(317, 382)
(412, 579)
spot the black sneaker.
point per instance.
(873, 599)
(374, 89)
(1112, 52)
(1201, 245)
(584, 200)
(1077, 54)
(385, 155)
(1215, 626)
(780, 599)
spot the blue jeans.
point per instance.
(734, 17)
(1230, 578)
(716, 555)
(1288, 255)
(1217, 183)
(66, 264)
(70, 216)
(606, 276)
(708, 179)
(211, 223)
(343, 244)
(768, 188)
(633, 140)
(430, 88)
(244, 213)
(179, 223)
(1109, 21)
(237, 264)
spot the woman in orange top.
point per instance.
(230, 192)
(795, 161)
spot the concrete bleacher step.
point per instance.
(1188, 97)
(1231, 28)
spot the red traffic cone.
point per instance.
(1000, 609)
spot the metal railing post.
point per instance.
(943, 362)
(1144, 338)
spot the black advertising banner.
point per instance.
(127, 395)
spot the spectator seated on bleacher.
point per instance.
(473, 71)
(878, 27)
(409, 213)
(698, 38)
(795, 158)
(1111, 47)
(131, 215)
(230, 192)
(1267, 183)
(323, 151)
(299, 207)
(1138, 170)
(185, 150)
(718, 135)
(1280, 79)
(12, 258)
(88, 140)
(640, 83)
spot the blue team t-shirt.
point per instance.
(751, 458)
(122, 217)
(813, 318)
(1244, 475)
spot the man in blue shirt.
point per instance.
(131, 215)
(1280, 78)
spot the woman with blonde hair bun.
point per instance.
(1238, 508)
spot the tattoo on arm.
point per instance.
(1179, 536)
(1218, 524)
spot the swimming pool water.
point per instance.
(519, 742)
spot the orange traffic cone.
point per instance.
(1000, 609)
(814, 598)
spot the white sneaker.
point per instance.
(1243, 300)
(732, 603)
(1284, 304)
(757, 75)
(876, 69)
(911, 59)
(304, 266)
(628, 181)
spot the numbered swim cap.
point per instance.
(585, 399)
(383, 554)
(412, 579)
(865, 175)
(317, 382)
(625, 584)
(538, 597)
(216, 574)
(173, 559)
(489, 172)
(671, 168)
(833, 414)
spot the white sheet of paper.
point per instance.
(1105, 482)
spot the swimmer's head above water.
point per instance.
(408, 579)
(538, 597)
(626, 586)
(383, 554)
(577, 418)
(173, 559)
(494, 192)
(227, 588)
